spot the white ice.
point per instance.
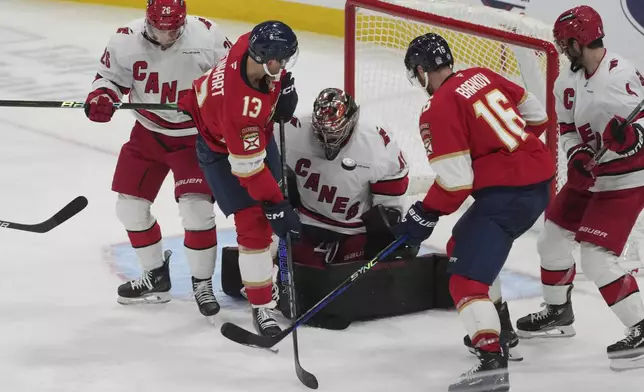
(60, 326)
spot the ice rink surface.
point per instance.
(61, 328)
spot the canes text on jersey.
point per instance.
(326, 193)
(168, 90)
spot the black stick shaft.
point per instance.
(81, 105)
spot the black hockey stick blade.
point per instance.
(71, 209)
(242, 336)
(306, 378)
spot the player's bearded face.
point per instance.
(165, 38)
(420, 79)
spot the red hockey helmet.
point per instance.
(583, 24)
(165, 20)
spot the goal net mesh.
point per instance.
(377, 40)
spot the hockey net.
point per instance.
(518, 47)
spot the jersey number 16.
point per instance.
(511, 128)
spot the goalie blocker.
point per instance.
(401, 284)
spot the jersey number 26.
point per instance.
(511, 128)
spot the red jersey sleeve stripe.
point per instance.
(394, 187)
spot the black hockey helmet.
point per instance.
(430, 51)
(335, 115)
(273, 40)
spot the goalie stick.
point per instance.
(600, 154)
(72, 208)
(242, 336)
(81, 105)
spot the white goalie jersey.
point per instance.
(132, 64)
(370, 170)
(585, 105)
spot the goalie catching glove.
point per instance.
(418, 224)
(627, 140)
(578, 177)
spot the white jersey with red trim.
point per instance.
(585, 105)
(369, 170)
(133, 64)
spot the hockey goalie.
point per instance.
(348, 179)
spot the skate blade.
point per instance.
(629, 363)
(513, 354)
(565, 331)
(152, 298)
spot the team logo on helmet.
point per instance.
(634, 11)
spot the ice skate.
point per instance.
(628, 353)
(554, 321)
(264, 322)
(153, 287)
(205, 297)
(489, 375)
(508, 336)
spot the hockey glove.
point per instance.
(283, 219)
(99, 105)
(578, 177)
(627, 140)
(287, 101)
(417, 225)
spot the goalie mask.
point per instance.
(335, 115)
(165, 21)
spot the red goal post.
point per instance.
(376, 37)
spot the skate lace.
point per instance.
(203, 292)
(632, 334)
(545, 312)
(264, 319)
(143, 281)
(473, 371)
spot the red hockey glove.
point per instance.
(627, 141)
(99, 105)
(578, 177)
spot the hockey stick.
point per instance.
(305, 377)
(600, 154)
(74, 207)
(242, 336)
(81, 105)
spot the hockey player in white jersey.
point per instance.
(155, 60)
(599, 208)
(342, 169)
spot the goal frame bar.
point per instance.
(552, 55)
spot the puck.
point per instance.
(348, 164)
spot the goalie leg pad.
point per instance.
(390, 288)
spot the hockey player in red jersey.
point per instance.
(598, 209)
(234, 106)
(481, 136)
(148, 60)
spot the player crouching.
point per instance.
(481, 135)
(597, 209)
(348, 179)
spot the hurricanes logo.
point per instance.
(634, 11)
